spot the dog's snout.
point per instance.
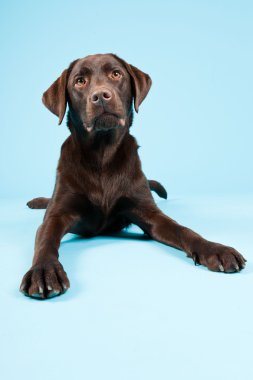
(101, 95)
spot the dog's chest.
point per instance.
(107, 189)
(100, 191)
(103, 205)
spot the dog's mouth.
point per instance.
(105, 122)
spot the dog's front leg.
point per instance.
(47, 278)
(215, 256)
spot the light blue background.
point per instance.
(136, 309)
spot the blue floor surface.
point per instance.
(136, 309)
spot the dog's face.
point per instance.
(99, 90)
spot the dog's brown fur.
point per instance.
(100, 187)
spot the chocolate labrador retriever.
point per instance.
(100, 187)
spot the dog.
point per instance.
(100, 187)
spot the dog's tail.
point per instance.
(38, 203)
(42, 203)
(157, 188)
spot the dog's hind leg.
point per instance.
(38, 203)
(158, 188)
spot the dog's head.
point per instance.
(99, 90)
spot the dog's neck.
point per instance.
(100, 148)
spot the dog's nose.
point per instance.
(102, 95)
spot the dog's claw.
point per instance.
(195, 258)
(221, 268)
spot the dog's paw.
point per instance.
(219, 258)
(45, 280)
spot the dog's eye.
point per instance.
(80, 82)
(116, 74)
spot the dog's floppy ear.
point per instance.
(55, 97)
(141, 83)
